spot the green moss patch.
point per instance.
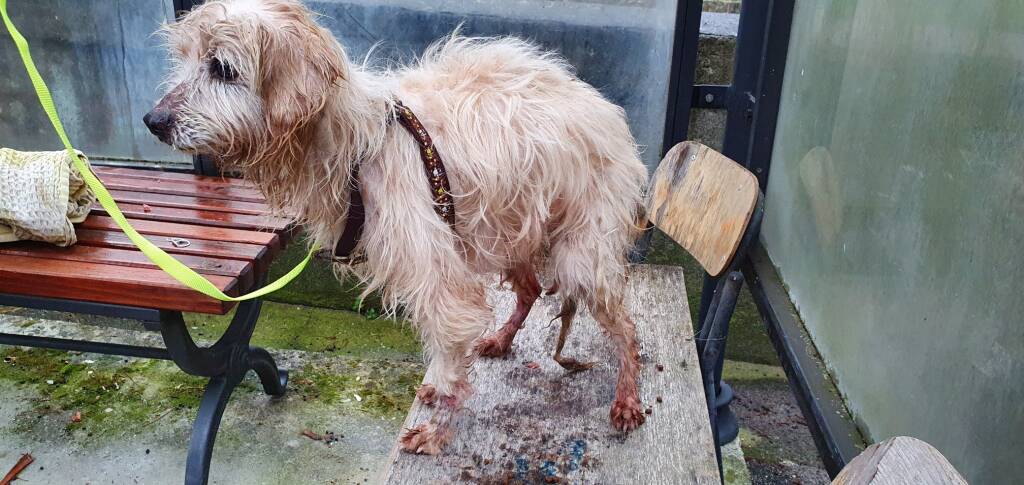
(736, 371)
(109, 395)
(284, 326)
(382, 387)
(317, 285)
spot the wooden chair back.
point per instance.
(704, 202)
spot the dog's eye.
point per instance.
(222, 70)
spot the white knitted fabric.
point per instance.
(41, 196)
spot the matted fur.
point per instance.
(544, 170)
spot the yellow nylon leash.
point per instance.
(171, 266)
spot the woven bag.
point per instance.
(41, 195)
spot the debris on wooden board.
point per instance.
(16, 470)
(328, 437)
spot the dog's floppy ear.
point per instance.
(301, 62)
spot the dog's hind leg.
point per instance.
(527, 289)
(566, 314)
(590, 270)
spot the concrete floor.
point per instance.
(260, 440)
(136, 415)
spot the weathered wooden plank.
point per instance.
(544, 425)
(198, 217)
(703, 201)
(175, 176)
(181, 187)
(198, 247)
(131, 258)
(898, 461)
(190, 202)
(186, 231)
(74, 280)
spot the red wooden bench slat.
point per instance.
(182, 187)
(162, 175)
(232, 240)
(199, 247)
(189, 202)
(199, 217)
(106, 283)
(186, 231)
(133, 258)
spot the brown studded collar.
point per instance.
(440, 186)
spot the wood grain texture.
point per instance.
(199, 247)
(189, 202)
(131, 258)
(703, 201)
(182, 187)
(175, 176)
(186, 231)
(198, 217)
(544, 425)
(899, 461)
(103, 283)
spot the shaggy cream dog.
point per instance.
(544, 172)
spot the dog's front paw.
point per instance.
(425, 439)
(494, 347)
(427, 394)
(626, 414)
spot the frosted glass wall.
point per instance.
(895, 213)
(105, 68)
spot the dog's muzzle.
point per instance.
(160, 122)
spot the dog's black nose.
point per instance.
(159, 121)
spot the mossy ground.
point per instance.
(366, 365)
(311, 329)
(111, 395)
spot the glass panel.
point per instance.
(622, 47)
(103, 66)
(894, 215)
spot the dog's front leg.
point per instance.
(457, 316)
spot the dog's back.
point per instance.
(537, 157)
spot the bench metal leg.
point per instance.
(711, 348)
(225, 363)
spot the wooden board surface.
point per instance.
(899, 461)
(229, 238)
(199, 217)
(162, 175)
(544, 425)
(703, 201)
(106, 283)
(213, 190)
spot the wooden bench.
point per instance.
(898, 461)
(217, 226)
(532, 422)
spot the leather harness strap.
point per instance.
(440, 186)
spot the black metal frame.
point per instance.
(225, 363)
(713, 331)
(752, 104)
(834, 430)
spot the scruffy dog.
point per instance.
(544, 174)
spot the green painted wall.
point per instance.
(894, 214)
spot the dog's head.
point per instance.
(248, 78)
